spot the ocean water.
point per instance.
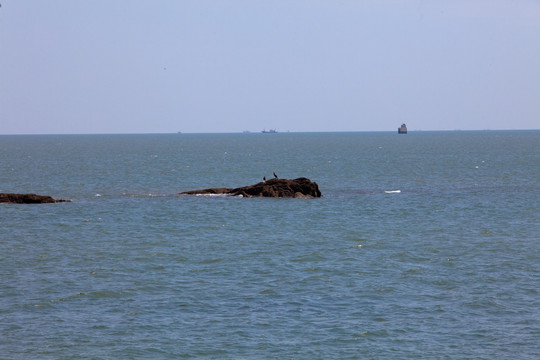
(425, 245)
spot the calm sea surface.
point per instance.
(446, 268)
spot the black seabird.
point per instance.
(264, 178)
(275, 175)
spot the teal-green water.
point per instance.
(446, 268)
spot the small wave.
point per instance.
(392, 191)
(220, 195)
(213, 195)
(145, 195)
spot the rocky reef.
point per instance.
(28, 199)
(278, 188)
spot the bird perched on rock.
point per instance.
(275, 175)
(264, 178)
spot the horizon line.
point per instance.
(257, 132)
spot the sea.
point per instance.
(423, 246)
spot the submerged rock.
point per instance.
(280, 188)
(28, 199)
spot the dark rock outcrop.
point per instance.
(281, 188)
(28, 199)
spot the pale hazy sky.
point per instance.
(152, 66)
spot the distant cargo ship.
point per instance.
(402, 129)
(271, 131)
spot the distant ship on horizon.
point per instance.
(402, 129)
(271, 131)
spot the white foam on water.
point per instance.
(392, 191)
(213, 195)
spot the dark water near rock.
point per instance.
(446, 268)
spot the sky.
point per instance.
(167, 66)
